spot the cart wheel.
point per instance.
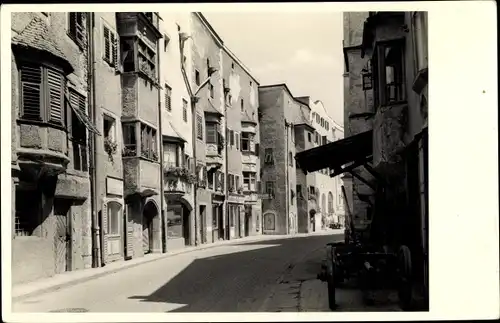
(405, 282)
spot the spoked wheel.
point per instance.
(405, 281)
(330, 277)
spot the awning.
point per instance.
(83, 117)
(337, 153)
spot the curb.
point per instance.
(76, 281)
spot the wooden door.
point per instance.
(62, 236)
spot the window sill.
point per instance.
(41, 123)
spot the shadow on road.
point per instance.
(233, 282)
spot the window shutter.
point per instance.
(237, 141)
(79, 28)
(222, 181)
(257, 149)
(107, 45)
(258, 187)
(130, 233)
(231, 133)
(55, 87)
(104, 230)
(114, 43)
(31, 80)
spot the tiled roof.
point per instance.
(37, 35)
(172, 132)
(210, 108)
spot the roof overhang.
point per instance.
(336, 154)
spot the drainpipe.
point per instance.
(193, 100)
(226, 190)
(286, 180)
(162, 193)
(92, 143)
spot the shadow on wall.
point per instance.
(198, 287)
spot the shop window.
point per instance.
(174, 222)
(149, 149)
(114, 215)
(76, 28)
(129, 140)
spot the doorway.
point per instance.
(185, 226)
(203, 224)
(248, 217)
(220, 217)
(149, 213)
(62, 235)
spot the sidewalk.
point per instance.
(56, 282)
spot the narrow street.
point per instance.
(242, 277)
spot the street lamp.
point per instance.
(194, 99)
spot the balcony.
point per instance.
(141, 176)
(153, 18)
(178, 180)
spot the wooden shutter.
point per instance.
(237, 140)
(130, 232)
(257, 149)
(114, 45)
(55, 91)
(104, 230)
(107, 44)
(31, 80)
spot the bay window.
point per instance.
(211, 132)
(129, 139)
(171, 155)
(249, 182)
(246, 141)
(137, 56)
(42, 93)
(149, 148)
(388, 71)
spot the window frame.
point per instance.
(268, 156)
(149, 142)
(185, 110)
(117, 221)
(168, 98)
(82, 28)
(209, 126)
(245, 138)
(270, 188)
(199, 126)
(127, 135)
(114, 44)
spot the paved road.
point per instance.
(232, 278)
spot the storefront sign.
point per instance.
(114, 186)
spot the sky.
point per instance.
(303, 50)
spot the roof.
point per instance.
(286, 89)
(210, 108)
(170, 131)
(337, 153)
(248, 118)
(37, 35)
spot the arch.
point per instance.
(269, 221)
(150, 226)
(186, 203)
(330, 202)
(323, 204)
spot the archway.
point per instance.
(149, 214)
(312, 219)
(179, 220)
(269, 221)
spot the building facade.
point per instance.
(178, 165)
(358, 109)
(242, 133)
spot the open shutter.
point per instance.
(114, 44)
(55, 90)
(31, 80)
(107, 45)
(104, 230)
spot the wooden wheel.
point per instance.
(405, 279)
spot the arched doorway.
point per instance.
(149, 214)
(312, 220)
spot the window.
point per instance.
(323, 140)
(149, 149)
(389, 70)
(166, 40)
(245, 141)
(251, 83)
(290, 159)
(127, 51)
(231, 137)
(291, 197)
(146, 58)
(78, 132)
(171, 155)
(249, 183)
(168, 98)
(211, 90)
(109, 135)
(110, 46)
(208, 66)
(230, 182)
(76, 28)
(242, 103)
(211, 136)
(114, 215)
(197, 77)
(268, 156)
(129, 140)
(199, 127)
(237, 182)
(322, 122)
(317, 138)
(330, 202)
(237, 140)
(232, 66)
(327, 126)
(184, 110)
(298, 188)
(42, 93)
(270, 188)
(318, 118)
(309, 137)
